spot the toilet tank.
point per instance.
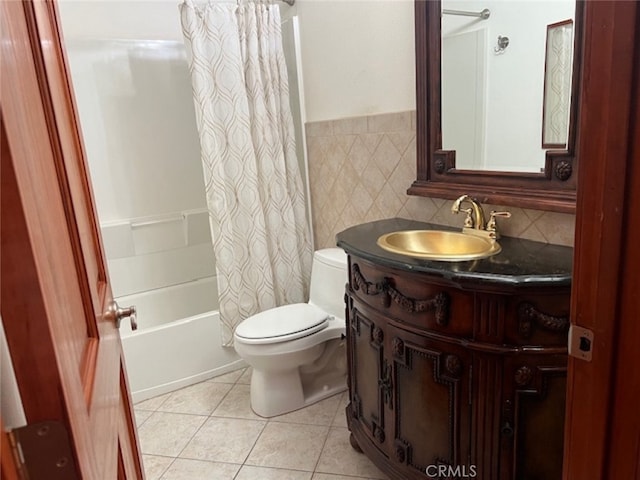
(328, 279)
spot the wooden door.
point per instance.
(55, 288)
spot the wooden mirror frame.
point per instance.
(437, 176)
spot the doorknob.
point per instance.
(118, 313)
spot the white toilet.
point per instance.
(298, 351)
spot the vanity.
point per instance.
(457, 369)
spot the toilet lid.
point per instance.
(282, 323)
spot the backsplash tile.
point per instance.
(360, 169)
(388, 122)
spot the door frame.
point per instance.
(602, 429)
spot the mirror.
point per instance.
(496, 104)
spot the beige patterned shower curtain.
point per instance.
(253, 184)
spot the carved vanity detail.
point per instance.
(457, 364)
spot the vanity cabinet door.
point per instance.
(365, 338)
(532, 417)
(431, 404)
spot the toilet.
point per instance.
(298, 351)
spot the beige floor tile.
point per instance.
(155, 466)
(224, 440)
(231, 377)
(184, 469)
(237, 404)
(248, 472)
(245, 379)
(167, 433)
(152, 403)
(141, 416)
(290, 446)
(340, 419)
(321, 413)
(338, 457)
(329, 476)
(199, 399)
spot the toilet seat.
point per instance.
(282, 324)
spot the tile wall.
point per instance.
(361, 167)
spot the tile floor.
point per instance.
(208, 432)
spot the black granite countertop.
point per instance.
(521, 263)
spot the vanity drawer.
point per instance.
(538, 319)
(412, 299)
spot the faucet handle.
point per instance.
(491, 224)
(468, 220)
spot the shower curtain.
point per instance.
(253, 184)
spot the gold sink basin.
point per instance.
(439, 245)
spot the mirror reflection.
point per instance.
(498, 112)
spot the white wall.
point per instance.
(358, 57)
(130, 19)
(140, 19)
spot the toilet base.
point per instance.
(279, 392)
(273, 395)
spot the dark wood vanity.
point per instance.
(459, 364)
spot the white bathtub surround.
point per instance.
(253, 183)
(149, 253)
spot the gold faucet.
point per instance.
(474, 223)
(469, 222)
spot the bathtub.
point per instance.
(178, 339)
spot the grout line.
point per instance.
(277, 468)
(244, 462)
(181, 413)
(221, 400)
(315, 467)
(167, 468)
(266, 421)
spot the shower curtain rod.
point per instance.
(289, 2)
(484, 14)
